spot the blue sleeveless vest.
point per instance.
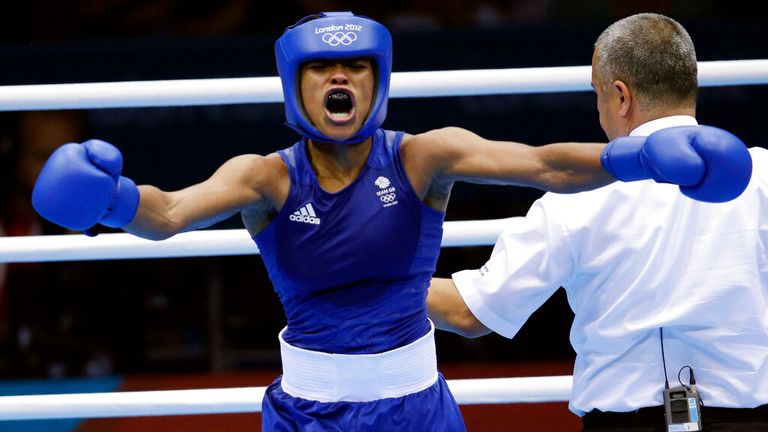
(352, 268)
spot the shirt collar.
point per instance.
(652, 126)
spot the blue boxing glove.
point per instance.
(709, 164)
(81, 186)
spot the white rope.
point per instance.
(404, 85)
(78, 247)
(248, 399)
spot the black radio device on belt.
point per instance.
(682, 405)
(682, 409)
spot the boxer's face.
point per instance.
(337, 94)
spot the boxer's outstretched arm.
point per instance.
(454, 154)
(701, 159)
(237, 185)
(81, 186)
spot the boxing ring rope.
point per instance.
(133, 94)
(238, 242)
(248, 399)
(75, 247)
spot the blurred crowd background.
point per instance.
(38, 20)
(101, 318)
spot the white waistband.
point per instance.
(325, 377)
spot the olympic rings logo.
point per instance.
(387, 198)
(339, 38)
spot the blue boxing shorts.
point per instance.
(432, 409)
(398, 390)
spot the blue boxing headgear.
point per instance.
(333, 35)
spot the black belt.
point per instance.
(654, 416)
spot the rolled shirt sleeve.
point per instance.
(530, 261)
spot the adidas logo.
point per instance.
(305, 214)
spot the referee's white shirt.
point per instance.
(634, 257)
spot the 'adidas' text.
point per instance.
(305, 214)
